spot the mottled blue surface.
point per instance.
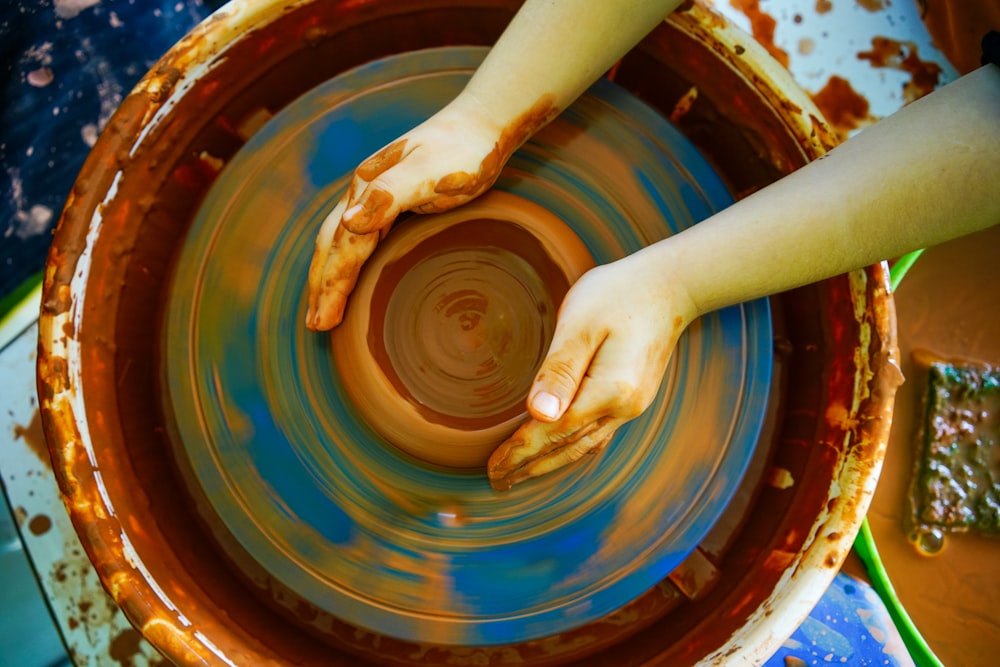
(63, 72)
(849, 626)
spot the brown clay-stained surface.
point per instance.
(843, 107)
(947, 306)
(754, 149)
(957, 28)
(89, 612)
(124, 647)
(904, 56)
(161, 188)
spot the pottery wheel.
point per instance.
(323, 495)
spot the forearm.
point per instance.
(927, 174)
(554, 49)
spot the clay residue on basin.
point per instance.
(947, 306)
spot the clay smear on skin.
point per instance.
(385, 159)
(377, 202)
(460, 185)
(456, 187)
(453, 189)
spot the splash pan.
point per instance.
(304, 493)
(101, 369)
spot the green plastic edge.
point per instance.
(19, 309)
(864, 543)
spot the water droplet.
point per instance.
(928, 542)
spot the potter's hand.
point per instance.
(448, 160)
(619, 323)
(616, 330)
(524, 82)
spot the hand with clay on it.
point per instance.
(619, 323)
(879, 195)
(449, 159)
(459, 152)
(616, 330)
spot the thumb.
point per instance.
(559, 377)
(373, 209)
(378, 202)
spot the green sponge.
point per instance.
(956, 482)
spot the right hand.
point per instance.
(449, 159)
(616, 331)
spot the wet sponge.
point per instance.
(956, 482)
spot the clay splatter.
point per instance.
(903, 55)
(34, 438)
(40, 524)
(871, 5)
(843, 107)
(67, 9)
(125, 646)
(41, 77)
(70, 63)
(89, 134)
(762, 25)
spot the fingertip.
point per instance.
(373, 210)
(327, 314)
(352, 212)
(545, 406)
(500, 483)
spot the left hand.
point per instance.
(449, 159)
(616, 330)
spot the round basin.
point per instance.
(754, 575)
